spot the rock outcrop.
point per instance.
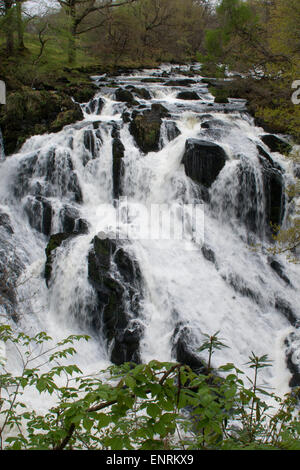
(116, 279)
(203, 161)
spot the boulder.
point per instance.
(188, 95)
(276, 144)
(125, 96)
(140, 92)
(145, 127)
(203, 161)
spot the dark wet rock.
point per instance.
(125, 96)
(266, 159)
(152, 80)
(126, 117)
(55, 242)
(207, 116)
(279, 270)
(274, 189)
(241, 286)
(71, 222)
(92, 142)
(284, 307)
(5, 222)
(10, 268)
(296, 170)
(89, 141)
(248, 204)
(145, 127)
(95, 106)
(276, 144)
(116, 279)
(216, 123)
(188, 95)
(182, 351)
(203, 161)
(172, 130)
(24, 174)
(275, 197)
(40, 214)
(208, 254)
(118, 151)
(56, 176)
(181, 82)
(142, 93)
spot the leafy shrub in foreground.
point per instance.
(159, 405)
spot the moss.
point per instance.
(30, 112)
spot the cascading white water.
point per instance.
(68, 178)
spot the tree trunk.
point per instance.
(9, 33)
(72, 32)
(20, 28)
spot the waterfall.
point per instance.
(92, 189)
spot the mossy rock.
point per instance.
(66, 117)
(35, 111)
(145, 127)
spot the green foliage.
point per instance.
(287, 239)
(150, 406)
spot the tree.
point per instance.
(78, 11)
(7, 11)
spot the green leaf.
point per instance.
(153, 410)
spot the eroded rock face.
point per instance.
(203, 161)
(118, 151)
(274, 189)
(145, 127)
(116, 279)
